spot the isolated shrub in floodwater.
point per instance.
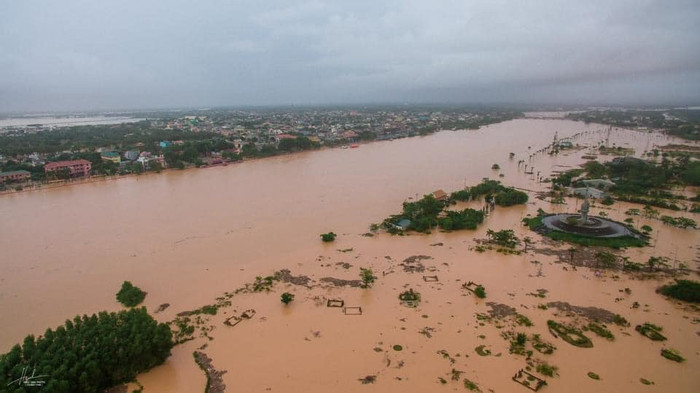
(287, 298)
(480, 292)
(130, 295)
(686, 290)
(328, 237)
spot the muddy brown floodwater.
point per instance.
(186, 237)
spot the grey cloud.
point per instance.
(133, 54)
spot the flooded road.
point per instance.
(186, 237)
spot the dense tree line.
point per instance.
(465, 219)
(298, 144)
(502, 196)
(510, 197)
(89, 353)
(123, 136)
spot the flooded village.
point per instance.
(429, 310)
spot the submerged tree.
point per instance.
(367, 277)
(287, 297)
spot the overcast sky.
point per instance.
(84, 55)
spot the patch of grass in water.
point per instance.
(612, 242)
(651, 331)
(482, 351)
(672, 354)
(542, 346)
(593, 375)
(570, 334)
(686, 290)
(601, 331)
(471, 385)
(520, 319)
(545, 368)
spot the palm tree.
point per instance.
(526, 241)
(572, 251)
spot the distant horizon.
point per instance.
(438, 105)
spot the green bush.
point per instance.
(287, 298)
(461, 195)
(367, 277)
(570, 334)
(686, 290)
(651, 331)
(510, 197)
(545, 368)
(607, 201)
(129, 295)
(480, 292)
(601, 331)
(465, 219)
(504, 237)
(328, 237)
(672, 354)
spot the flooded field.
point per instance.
(187, 237)
(63, 121)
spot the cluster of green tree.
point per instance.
(192, 152)
(510, 197)
(129, 295)
(328, 237)
(640, 181)
(300, 143)
(503, 196)
(686, 290)
(679, 222)
(465, 219)
(476, 122)
(88, 354)
(504, 237)
(486, 187)
(122, 136)
(423, 214)
(564, 179)
(36, 172)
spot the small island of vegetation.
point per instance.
(130, 295)
(89, 353)
(430, 212)
(686, 290)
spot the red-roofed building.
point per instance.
(76, 168)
